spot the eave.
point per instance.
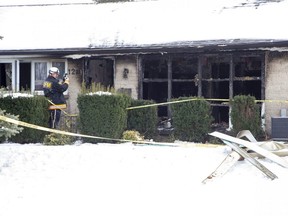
(174, 47)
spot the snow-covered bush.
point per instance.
(7, 129)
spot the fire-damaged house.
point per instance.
(155, 50)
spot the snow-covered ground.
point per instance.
(126, 179)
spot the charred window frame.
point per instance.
(217, 76)
(155, 80)
(185, 77)
(216, 83)
(168, 76)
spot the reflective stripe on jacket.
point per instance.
(57, 106)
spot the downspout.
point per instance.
(263, 84)
(231, 76)
(169, 84)
(140, 76)
(17, 75)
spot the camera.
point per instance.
(65, 76)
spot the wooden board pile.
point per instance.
(249, 150)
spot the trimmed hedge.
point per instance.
(144, 120)
(103, 115)
(191, 120)
(30, 109)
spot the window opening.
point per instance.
(215, 85)
(184, 89)
(247, 79)
(157, 91)
(184, 76)
(155, 67)
(155, 81)
(41, 69)
(6, 76)
(100, 71)
(25, 76)
(184, 67)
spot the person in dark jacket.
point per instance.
(53, 90)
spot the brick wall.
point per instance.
(276, 86)
(130, 81)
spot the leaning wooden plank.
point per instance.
(247, 134)
(223, 168)
(252, 146)
(250, 159)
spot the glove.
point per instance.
(66, 80)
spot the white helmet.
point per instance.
(53, 70)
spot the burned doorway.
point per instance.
(25, 76)
(6, 76)
(100, 71)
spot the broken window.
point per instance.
(215, 85)
(184, 76)
(155, 68)
(247, 76)
(155, 81)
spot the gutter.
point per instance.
(177, 47)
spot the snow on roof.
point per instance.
(35, 2)
(138, 23)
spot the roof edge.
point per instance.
(194, 46)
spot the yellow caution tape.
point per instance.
(161, 104)
(207, 99)
(178, 101)
(25, 124)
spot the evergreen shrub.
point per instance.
(7, 129)
(143, 119)
(57, 139)
(245, 115)
(32, 110)
(192, 119)
(103, 115)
